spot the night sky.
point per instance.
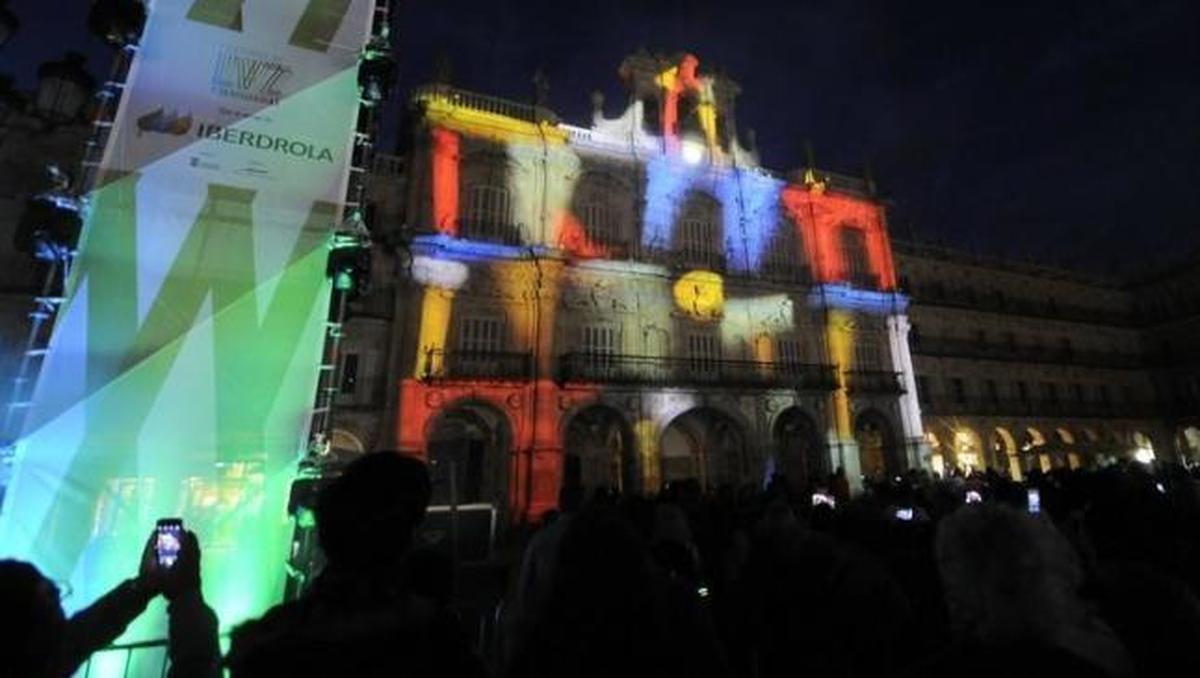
(1067, 132)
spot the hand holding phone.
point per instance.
(168, 541)
(1034, 500)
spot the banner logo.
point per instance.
(162, 122)
(249, 76)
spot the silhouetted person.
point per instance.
(41, 641)
(613, 612)
(365, 615)
(1012, 591)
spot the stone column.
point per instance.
(917, 449)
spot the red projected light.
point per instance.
(821, 216)
(445, 181)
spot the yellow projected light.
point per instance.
(701, 294)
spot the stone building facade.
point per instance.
(639, 302)
(628, 305)
(1020, 366)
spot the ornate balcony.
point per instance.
(874, 381)
(631, 369)
(489, 365)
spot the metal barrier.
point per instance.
(119, 660)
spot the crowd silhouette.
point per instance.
(1098, 575)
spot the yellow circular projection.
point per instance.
(700, 294)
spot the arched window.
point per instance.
(854, 257)
(488, 214)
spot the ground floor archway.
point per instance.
(878, 454)
(599, 452)
(468, 451)
(800, 453)
(705, 445)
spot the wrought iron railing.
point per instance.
(965, 348)
(633, 369)
(874, 381)
(1039, 408)
(477, 365)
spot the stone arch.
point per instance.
(706, 445)
(967, 447)
(1066, 446)
(1005, 452)
(878, 452)
(937, 458)
(341, 439)
(1034, 450)
(800, 452)
(1143, 446)
(599, 450)
(469, 444)
(1189, 443)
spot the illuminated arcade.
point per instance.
(639, 302)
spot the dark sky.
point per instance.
(1067, 131)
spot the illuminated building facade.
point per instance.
(634, 303)
(1021, 366)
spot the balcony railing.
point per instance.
(965, 348)
(1015, 306)
(484, 103)
(1039, 408)
(477, 365)
(874, 381)
(631, 369)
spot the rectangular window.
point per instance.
(697, 238)
(704, 351)
(1010, 340)
(1021, 390)
(790, 352)
(599, 223)
(1077, 392)
(481, 335)
(993, 394)
(599, 344)
(1050, 392)
(349, 375)
(1102, 393)
(980, 337)
(867, 355)
(488, 213)
(923, 389)
(959, 390)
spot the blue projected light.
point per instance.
(441, 246)
(666, 183)
(749, 207)
(845, 297)
(750, 204)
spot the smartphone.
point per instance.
(168, 541)
(1033, 499)
(974, 497)
(904, 514)
(819, 498)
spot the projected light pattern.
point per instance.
(183, 364)
(650, 316)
